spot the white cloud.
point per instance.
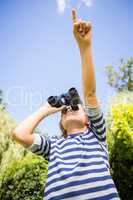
(88, 3)
(63, 4)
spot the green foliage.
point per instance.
(2, 103)
(120, 143)
(121, 78)
(22, 174)
(1, 96)
(24, 179)
(9, 150)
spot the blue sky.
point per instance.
(39, 56)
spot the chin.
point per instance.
(79, 122)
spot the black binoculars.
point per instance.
(71, 98)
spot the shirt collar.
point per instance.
(77, 133)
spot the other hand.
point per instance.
(82, 31)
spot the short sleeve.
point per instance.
(97, 121)
(40, 146)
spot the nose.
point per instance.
(69, 108)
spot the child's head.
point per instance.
(73, 120)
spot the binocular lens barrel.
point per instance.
(73, 92)
(71, 98)
(52, 100)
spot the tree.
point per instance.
(120, 142)
(1, 96)
(2, 104)
(121, 78)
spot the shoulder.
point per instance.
(56, 138)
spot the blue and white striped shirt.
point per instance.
(78, 165)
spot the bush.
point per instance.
(22, 173)
(120, 143)
(24, 179)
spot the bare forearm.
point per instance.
(88, 71)
(23, 133)
(28, 125)
(88, 76)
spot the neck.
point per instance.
(75, 130)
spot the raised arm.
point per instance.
(23, 133)
(83, 33)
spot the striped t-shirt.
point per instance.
(78, 165)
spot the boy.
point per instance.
(78, 161)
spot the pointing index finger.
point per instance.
(74, 15)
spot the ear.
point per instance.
(88, 124)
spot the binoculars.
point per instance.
(71, 98)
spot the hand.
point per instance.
(50, 109)
(82, 31)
